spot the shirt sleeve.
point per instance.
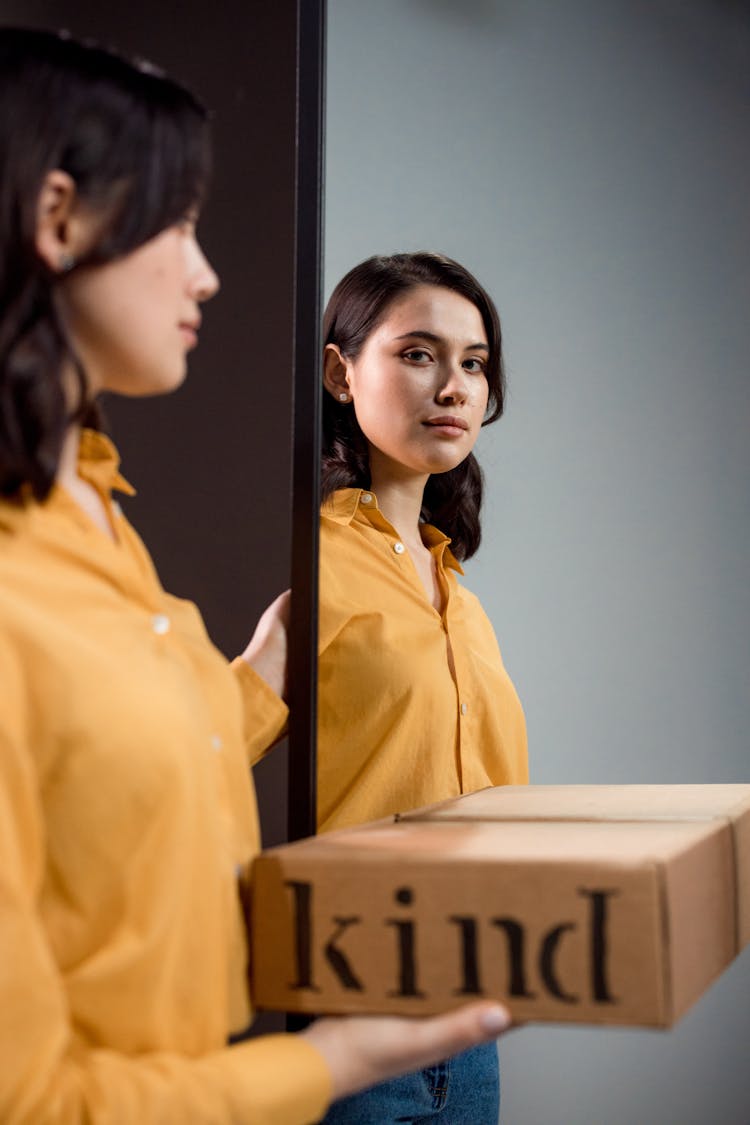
(49, 1074)
(266, 715)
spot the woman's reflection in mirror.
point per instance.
(414, 702)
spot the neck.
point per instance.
(85, 495)
(67, 469)
(400, 498)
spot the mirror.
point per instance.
(590, 164)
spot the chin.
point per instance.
(148, 385)
(445, 465)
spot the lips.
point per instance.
(189, 330)
(448, 422)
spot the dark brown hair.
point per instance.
(136, 145)
(358, 304)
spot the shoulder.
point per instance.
(469, 610)
(345, 536)
(19, 560)
(345, 558)
(463, 594)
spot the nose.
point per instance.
(204, 281)
(454, 387)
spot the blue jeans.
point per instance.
(464, 1090)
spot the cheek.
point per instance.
(482, 397)
(399, 408)
(377, 396)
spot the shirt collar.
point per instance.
(434, 539)
(99, 463)
(344, 504)
(341, 506)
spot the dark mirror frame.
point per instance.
(307, 391)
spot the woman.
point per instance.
(127, 815)
(415, 705)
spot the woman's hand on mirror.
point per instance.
(267, 651)
(363, 1050)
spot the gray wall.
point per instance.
(589, 161)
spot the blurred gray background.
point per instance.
(589, 161)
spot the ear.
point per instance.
(336, 373)
(57, 238)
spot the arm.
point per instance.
(50, 1072)
(261, 673)
(267, 649)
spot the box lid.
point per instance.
(727, 803)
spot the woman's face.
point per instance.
(132, 321)
(419, 385)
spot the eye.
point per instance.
(417, 355)
(475, 366)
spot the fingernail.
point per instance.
(495, 1020)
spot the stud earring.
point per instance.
(67, 263)
(343, 397)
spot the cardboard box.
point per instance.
(586, 904)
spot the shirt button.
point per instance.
(399, 548)
(160, 624)
(464, 708)
(366, 497)
(216, 743)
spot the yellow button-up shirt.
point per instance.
(399, 724)
(126, 815)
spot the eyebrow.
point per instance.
(423, 334)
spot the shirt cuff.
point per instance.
(277, 1080)
(266, 715)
